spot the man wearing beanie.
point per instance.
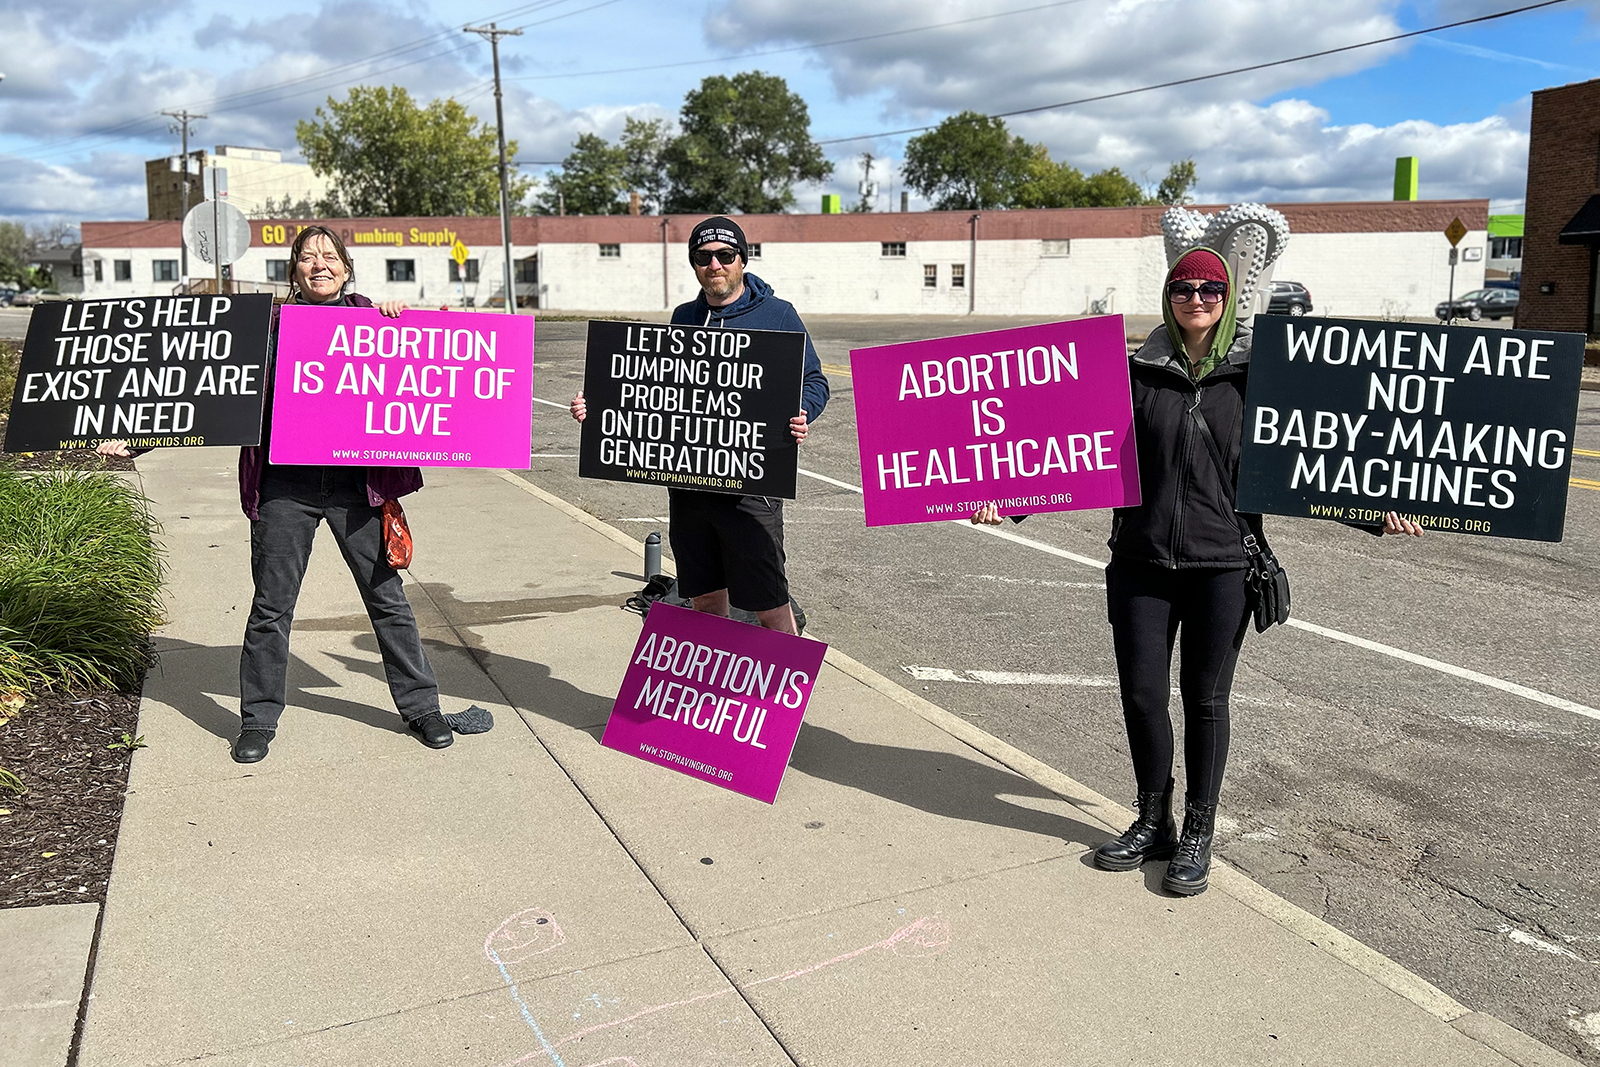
(729, 549)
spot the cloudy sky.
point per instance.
(85, 84)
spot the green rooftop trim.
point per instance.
(1505, 225)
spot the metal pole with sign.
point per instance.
(458, 252)
(218, 233)
(1454, 233)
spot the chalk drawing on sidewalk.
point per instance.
(534, 931)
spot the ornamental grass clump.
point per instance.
(80, 581)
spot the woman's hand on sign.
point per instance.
(988, 515)
(1394, 523)
(112, 448)
(392, 308)
(579, 408)
(798, 428)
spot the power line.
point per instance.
(1218, 74)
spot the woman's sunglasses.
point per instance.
(1210, 292)
(725, 256)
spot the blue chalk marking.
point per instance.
(527, 1015)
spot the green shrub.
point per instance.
(10, 359)
(80, 581)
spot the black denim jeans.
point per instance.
(293, 501)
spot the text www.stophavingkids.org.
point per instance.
(963, 507)
(415, 455)
(684, 761)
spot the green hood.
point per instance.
(1227, 326)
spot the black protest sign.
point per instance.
(1457, 428)
(692, 407)
(166, 370)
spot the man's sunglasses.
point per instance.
(1210, 292)
(725, 256)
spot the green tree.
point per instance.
(968, 162)
(644, 170)
(1175, 187)
(589, 182)
(1046, 183)
(15, 250)
(745, 142)
(1111, 188)
(387, 156)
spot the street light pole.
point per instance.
(183, 118)
(493, 35)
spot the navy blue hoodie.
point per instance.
(758, 309)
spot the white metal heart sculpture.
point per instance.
(1250, 237)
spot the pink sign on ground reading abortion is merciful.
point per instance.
(715, 699)
(1034, 419)
(427, 389)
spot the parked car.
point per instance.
(1480, 304)
(6, 293)
(1289, 298)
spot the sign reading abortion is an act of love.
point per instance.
(170, 370)
(692, 407)
(427, 389)
(1456, 428)
(715, 699)
(1033, 419)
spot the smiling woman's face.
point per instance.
(319, 272)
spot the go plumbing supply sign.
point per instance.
(1457, 428)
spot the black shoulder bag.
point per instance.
(1265, 578)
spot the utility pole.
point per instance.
(182, 126)
(492, 34)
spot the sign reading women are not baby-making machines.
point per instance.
(154, 371)
(427, 389)
(692, 407)
(1032, 419)
(715, 699)
(1457, 428)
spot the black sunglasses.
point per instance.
(725, 256)
(1210, 292)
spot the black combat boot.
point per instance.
(1190, 870)
(1152, 836)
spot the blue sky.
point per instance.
(78, 106)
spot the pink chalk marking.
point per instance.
(526, 934)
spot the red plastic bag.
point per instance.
(396, 536)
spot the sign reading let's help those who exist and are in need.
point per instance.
(1033, 419)
(1456, 428)
(154, 371)
(692, 407)
(715, 699)
(427, 389)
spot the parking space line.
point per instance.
(1585, 452)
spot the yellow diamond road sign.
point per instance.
(1455, 231)
(458, 251)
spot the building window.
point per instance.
(610, 251)
(930, 275)
(1505, 248)
(122, 270)
(165, 270)
(894, 249)
(1056, 249)
(753, 251)
(99, 270)
(528, 270)
(958, 275)
(77, 270)
(277, 270)
(402, 270)
(472, 271)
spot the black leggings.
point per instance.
(1147, 604)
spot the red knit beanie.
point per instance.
(1199, 264)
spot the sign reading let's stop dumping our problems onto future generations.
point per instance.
(1457, 428)
(715, 699)
(692, 407)
(1034, 419)
(427, 389)
(154, 371)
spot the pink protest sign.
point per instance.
(427, 389)
(715, 699)
(1035, 419)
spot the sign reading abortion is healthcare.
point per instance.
(715, 699)
(1034, 419)
(692, 407)
(1457, 428)
(171, 370)
(428, 389)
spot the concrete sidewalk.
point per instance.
(528, 897)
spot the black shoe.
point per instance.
(251, 747)
(1152, 836)
(433, 730)
(1190, 870)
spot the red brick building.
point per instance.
(1561, 238)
